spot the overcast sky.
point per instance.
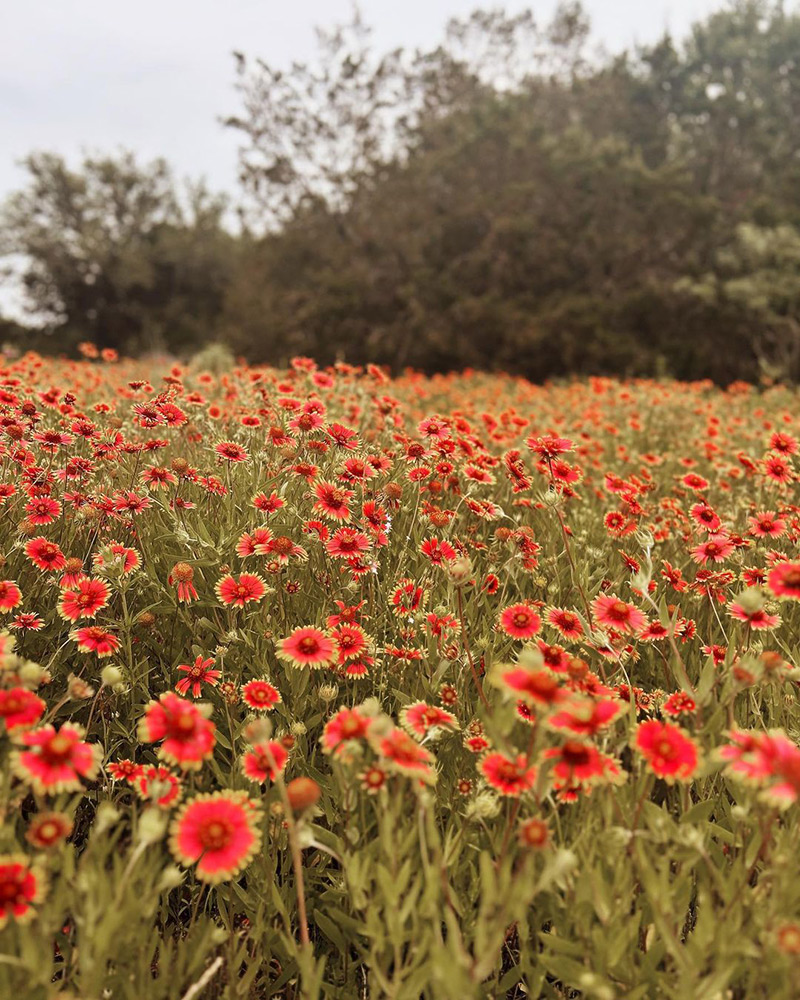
(155, 75)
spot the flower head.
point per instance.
(55, 760)
(197, 674)
(307, 646)
(21, 885)
(668, 750)
(249, 587)
(520, 621)
(84, 600)
(219, 832)
(188, 736)
(508, 775)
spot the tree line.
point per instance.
(510, 199)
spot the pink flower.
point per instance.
(614, 613)
(520, 621)
(188, 736)
(671, 754)
(219, 832)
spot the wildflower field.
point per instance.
(317, 684)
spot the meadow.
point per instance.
(316, 683)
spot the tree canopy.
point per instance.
(508, 199)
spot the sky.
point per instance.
(155, 76)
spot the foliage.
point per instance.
(112, 252)
(319, 684)
(547, 220)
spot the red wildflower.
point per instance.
(539, 686)
(56, 759)
(671, 754)
(20, 708)
(84, 600)
(616, 614)
(45, 555)
(260, 695)
(10, 595)
(249, 587)
(405, 755)
(421, 718)
(588, 716)
(520, 621)
(43, 510)
(95, 639)
(228, 451)
(307, 646)
(158, 785)
(347, 725)
(566, 622)
(784, 580)
(716, 549)
(188, 736)
(264, 761)
(197, 674)
(332, 501)
(509, 776)
(218, 831)
(21, 885)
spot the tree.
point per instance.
(114, 254)
(319, 131)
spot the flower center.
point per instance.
(215, 835)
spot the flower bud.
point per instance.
(303, 793)
(459, 570)
(111, 676)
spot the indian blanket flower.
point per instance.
(541, 687)
(679, 703)
(48, 829)
(668, 750)
(520, 621)
(333, 501)
(20, 708)
(116, 555)
(566, 622)
(188, 735)
(45, 555)
(770, 760)
(182, 575)
(612, 612)
(21, 886)
(249, 587)
(229, 451)
(158, 785)
(219, 832)
(10, 595)
(56, 760)
(197, 674)
(84, 600)
(784, 580)
(260, 695)
(717, 548)
(264, 761)
(95, 639)
(533, 834)
(43, 510)
(577, 766)
(407, 597)
(420, 718)
(588, 716)
(347, 726)
(508, 775)
(405, 755)
(307, 646)
(756, 618)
